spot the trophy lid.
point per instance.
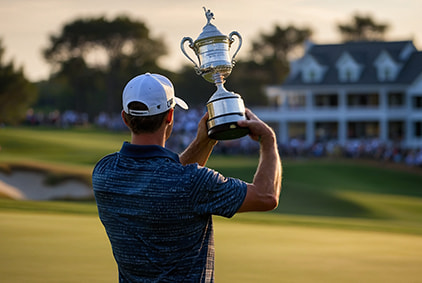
(209, 30)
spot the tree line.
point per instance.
(92, 58)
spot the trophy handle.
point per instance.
(182, 46)
(231, 39)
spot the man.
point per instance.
(156, 206)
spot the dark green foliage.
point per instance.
(273, 50)
(362, 28)
(93, 58)
(16, 92)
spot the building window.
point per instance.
(325, 131)
(417, 102)
(358, 130)
(363, 100)
(296, 101)
(349, 75)
(311, 70)
(395, 130)
(297, 130)
(418, 129)
(396, 99)
(312, 76)
(348, 69)
(387, 68)
(387, 74)
(326, 100)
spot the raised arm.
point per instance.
(264, 192)
(201, 147)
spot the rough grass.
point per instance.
(82, 146)
(326, 188)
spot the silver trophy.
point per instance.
(225, 108)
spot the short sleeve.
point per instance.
(212, 193)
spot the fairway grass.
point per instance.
(337, 221)
(39, 247)
(43, 248)
(270, 253)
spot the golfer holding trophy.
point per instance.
(157, 206)
(225, 108)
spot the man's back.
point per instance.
(157, 213)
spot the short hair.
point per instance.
(143, 124)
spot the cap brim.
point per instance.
(182, 104)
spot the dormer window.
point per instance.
(309, 76)
(312, 70)
(348, 75)
(387, 74)
(348, 69)
(312, 75)
(387, 68)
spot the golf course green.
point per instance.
(338, 220)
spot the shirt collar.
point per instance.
(147, 151)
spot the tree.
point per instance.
(120, 39)
(16, 92)
(362, 28)
(274, 49)
(115, 49)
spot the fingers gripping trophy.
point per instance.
(225, 108)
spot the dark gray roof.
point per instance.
(412, 69)
(365, 53)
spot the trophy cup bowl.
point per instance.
(225, 108)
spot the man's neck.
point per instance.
(148, 139)
(158, 137)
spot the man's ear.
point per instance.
(169, 118)
(123, 118)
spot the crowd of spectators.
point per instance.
(185, 126)
(370, 149)
(55, 118)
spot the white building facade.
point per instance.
(351, 91)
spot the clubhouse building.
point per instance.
(351, 91)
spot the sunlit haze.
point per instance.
(26, 24)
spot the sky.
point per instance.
(26, 25)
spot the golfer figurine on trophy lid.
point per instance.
(225, 108)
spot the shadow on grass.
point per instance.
(301, 201)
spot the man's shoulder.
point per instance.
(104, 161)
(195, 168)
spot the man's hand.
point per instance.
(259, 131)
(202, 133)
(201, 147)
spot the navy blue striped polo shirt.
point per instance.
(158, 213)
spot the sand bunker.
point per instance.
(29, 185)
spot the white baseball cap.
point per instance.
(153, 90)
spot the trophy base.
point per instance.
(227, 131)
(226, 128)
(225, 109)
